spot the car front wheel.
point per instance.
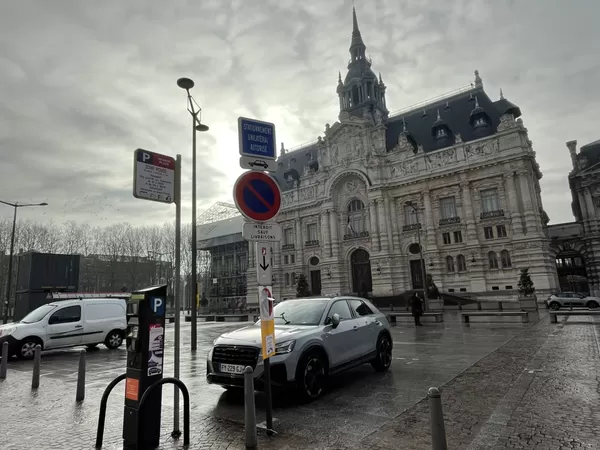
(311, 376)
(554, 306)
(383, 360)
(592, 304)
(27, 348)
(114, 339)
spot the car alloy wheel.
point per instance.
(314, 377)
(28, 349)
(385, 352)
(554, 306)
(114, 340)
(592, 304)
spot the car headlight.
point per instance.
(7, 331)
(284, 347)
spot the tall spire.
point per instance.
(356, 37)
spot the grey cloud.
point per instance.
(86, 83)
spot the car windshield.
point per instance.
(38, 314)
(299, 312)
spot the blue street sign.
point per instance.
(257, 139)
(158, 306)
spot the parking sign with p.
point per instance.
(158, 306)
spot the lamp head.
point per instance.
(185, 83)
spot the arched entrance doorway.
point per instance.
(572, 274)
(361, 271)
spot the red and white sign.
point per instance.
(257, 196)
(153, 176)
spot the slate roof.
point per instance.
(455, 112)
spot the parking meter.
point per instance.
(145, 347)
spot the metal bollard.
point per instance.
(4, 362)
(249, 408)
(80, 394)
(438, 431)
(35, 382)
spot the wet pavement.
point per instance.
(490, 400)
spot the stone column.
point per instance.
(334, 224)
(325, 234)
(528, 204)
(251, 251)
(585, 214)
(373, 223)
(591, 209)
(513, 204)
(388, 222)
(429, 228)
(394, 219)
(299, 241)
(383, 226)
(468, 211)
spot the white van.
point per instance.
(68, 323)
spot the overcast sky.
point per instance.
(84, 83)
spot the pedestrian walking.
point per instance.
(416, 307)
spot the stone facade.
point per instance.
(469, 172)
(576, 245)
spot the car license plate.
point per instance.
(231, 368)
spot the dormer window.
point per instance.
(480, 122)
(441, 133)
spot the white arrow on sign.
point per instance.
(259, 164)
(264, 269)
(259, 231)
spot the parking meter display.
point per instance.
(155, 350)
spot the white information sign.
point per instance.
(259, 164)
(153, 176)
(261, 231)
(264, 272)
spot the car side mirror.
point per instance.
(335, 320)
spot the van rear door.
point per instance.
(101, 317)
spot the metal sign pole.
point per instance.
(177, 291)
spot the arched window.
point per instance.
(287, 279)
(461, 263)
(505, 259)
(356, 217)
(492, 260)
(449, 264)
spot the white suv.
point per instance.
(314, 338)
(570, 299)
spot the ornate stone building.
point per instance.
(576, 245)
(459, 172)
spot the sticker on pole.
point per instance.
(265, 302)
(155, 350)
(153, 176)
(267, 324)
(257, 196)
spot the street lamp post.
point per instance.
(15, 206)
(416, 211)
(195, 111)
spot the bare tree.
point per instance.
(112, 248)
(133, 248)
(72, 237)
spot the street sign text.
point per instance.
(257, 138)
(260, 231)
(153, 176)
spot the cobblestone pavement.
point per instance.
(539, 391)
(362, 410)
